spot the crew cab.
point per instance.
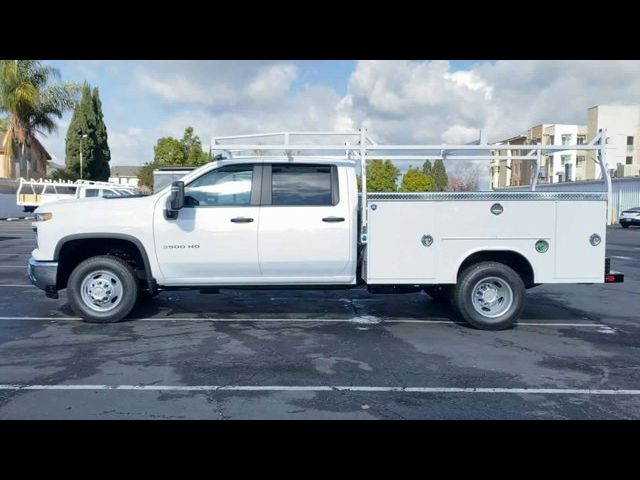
(285, 222)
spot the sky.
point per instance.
(397, 101)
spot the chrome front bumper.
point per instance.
(43, 275)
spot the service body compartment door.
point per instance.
(402, 245)
(576, 258)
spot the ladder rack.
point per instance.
(358, 147)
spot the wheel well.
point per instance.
(507, 257)
(73, 252)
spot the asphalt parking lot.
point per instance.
(320, 355)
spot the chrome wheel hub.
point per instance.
(101, 291)
(492, 297)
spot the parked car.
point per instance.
(630, 217)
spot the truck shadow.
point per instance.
(340, 305)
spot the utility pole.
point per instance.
(81, 137)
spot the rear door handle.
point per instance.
(333, 219)
(242, 220)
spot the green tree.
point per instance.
(382, 176)
(439, 174)
(87, 131)
(102, 152)
(427, 169)
(170, 151)
(415, 180)
(31, 102)
(193, 148)
(145, 175)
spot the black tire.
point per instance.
(461, 296)
(439, 293)
(114, 266)
(624, 225)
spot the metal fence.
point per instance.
(625, 191)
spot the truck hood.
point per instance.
(96, 208)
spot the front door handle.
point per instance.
(242, 220)
(333, 219)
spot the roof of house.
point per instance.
(55, 166)
(125, 171)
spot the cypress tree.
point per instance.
(101, 169)
(439, 174)
(427, 169)
(87, 120)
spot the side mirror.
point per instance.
(176, 200)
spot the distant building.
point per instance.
(622, 123)
(125, 175)
(32, 163)
(563, 166)
(507, 172)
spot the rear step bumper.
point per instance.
(611, 276)
(614, 277)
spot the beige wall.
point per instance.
(33, 165)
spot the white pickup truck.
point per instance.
(33, 193)
(296, 220)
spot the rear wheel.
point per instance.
(489, 296)
(624, 225)
(103, 289)
(439, 293)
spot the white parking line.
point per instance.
(13, 266)
(326, 388)
(355, 321)
(619, 257)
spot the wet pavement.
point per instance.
(320, 354)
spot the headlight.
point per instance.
(43, 217)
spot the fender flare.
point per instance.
(151, 281)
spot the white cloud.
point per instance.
(427, 101)
(216, 84)
(398, 101)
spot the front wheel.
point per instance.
(489, 296)
(103, 289)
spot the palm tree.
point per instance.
(31, 103)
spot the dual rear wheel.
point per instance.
(488, 295)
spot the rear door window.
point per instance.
(303, 185)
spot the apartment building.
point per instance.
(622, 123)
(562, 166)
(507, 172)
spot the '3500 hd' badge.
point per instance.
(179, 247)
